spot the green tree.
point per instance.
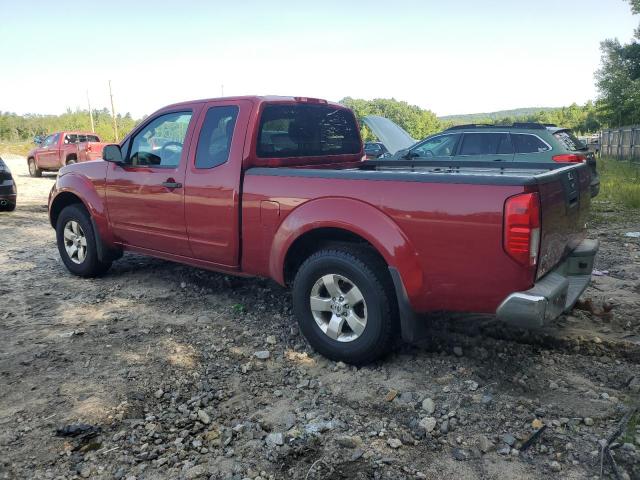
(415, 120)
(618, 82)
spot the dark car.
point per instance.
(374, 149)
(520, 142)
(8, 191)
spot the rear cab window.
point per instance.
(301, 130)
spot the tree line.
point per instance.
(20, 128)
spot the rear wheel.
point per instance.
(77, 243)
(34, 171)
(8, 207)
(344, 304)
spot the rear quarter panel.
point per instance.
(454, 230)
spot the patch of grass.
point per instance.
(619, 184)
(629, 435)
(16, 148)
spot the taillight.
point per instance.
(522, 228)
(569, 158)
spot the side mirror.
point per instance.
(112, 153)
(37, 140)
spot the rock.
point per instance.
(318, 427)
(461, 454)
(508, 439)
(484, 444)
(394, 443)
(391, 395)
(275, 439)
(457, 351)
(158, 394)
(262, 354)
(347, 441)
(271, 340)
(429, 406)
(588, 421)
(504, 450)
(406, 398)
(471, 385)
(204, 417)
(444, 427)
(198, 471)
(537, 424)
(555, 466)
(428, 423)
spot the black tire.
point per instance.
(370, 274)
(34, 171)
(9, 207)
(90, 265)
(71, 161)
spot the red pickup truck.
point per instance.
(276, 187)
(63, 148)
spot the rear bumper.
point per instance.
(555, 293)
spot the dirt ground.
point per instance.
(168, 364)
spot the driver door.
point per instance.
(145, 195)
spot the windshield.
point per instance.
(569, 140)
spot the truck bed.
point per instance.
(452, 213)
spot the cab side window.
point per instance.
(160, 142)
(216, 134)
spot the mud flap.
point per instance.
(412, 327)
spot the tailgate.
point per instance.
(565, 198)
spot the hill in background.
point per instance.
(493, 116)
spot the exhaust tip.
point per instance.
(3, 203)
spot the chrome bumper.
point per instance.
(555, 293)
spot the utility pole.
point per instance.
(93, 128)
(113, 114)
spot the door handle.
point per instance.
(171, 183)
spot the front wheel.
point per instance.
(343, 301)
(77, 243)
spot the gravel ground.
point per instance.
(183, 373)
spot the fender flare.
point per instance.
(81, 188)
(359, 218)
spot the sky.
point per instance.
(452, 57)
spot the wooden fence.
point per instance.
(622, 143)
